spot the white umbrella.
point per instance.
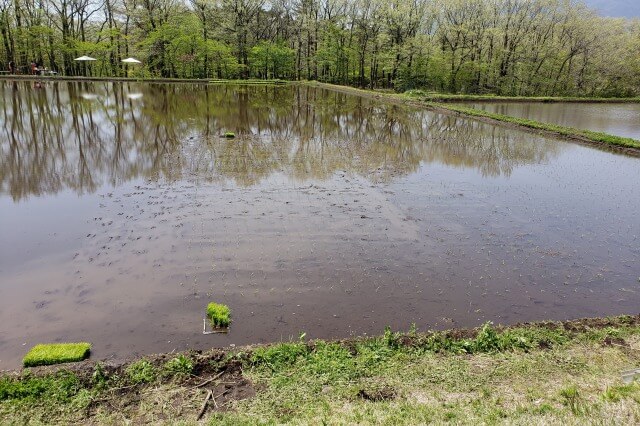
(131, 61)
(85, 58)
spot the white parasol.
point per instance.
(131, 61)
(85, 58)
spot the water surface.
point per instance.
(614, 119)
(123, 212)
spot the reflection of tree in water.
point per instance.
(494, 151)
(81, 136)
(54, 139)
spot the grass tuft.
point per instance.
(56, 353)
(59, 387)
(229, 135)
(219, 315)
(572, 399)
(180, 366)
(141, 372)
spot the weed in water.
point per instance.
(180, 366)
(56, 353)
(219, 315)
(141, 372)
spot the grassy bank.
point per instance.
(443, 97)
(565, 373)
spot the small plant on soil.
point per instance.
(141, 372)
(229, 135)
(56, 353)
(179, 366)
(99, 376)
(219, 315)
(571, 398)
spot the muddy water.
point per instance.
(123, 212)
(614, 119)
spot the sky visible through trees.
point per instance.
(619, 8)
(507, 47)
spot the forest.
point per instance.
(503, 47)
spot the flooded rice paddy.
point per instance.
(614, 119)
(123, 212)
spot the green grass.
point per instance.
(549, 373)
(524, 375)
(56, 353)
(219, 315)
(180, 366)
(443, 97)
(229, 135)
(532, 124)
(141, 371)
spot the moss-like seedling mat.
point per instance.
(56, 353)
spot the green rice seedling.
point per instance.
(219, 315)
(56, 353)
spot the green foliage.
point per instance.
(280, 356)
(390, 338)
(330, 362)
(369, 352)
(447, 45)
(60, 387)
(229, 135)
(56, 353)
(272, 60)
(141, 372)
(180, 366)
(99, 376)
(218, 314)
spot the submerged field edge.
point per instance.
(355, 369)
